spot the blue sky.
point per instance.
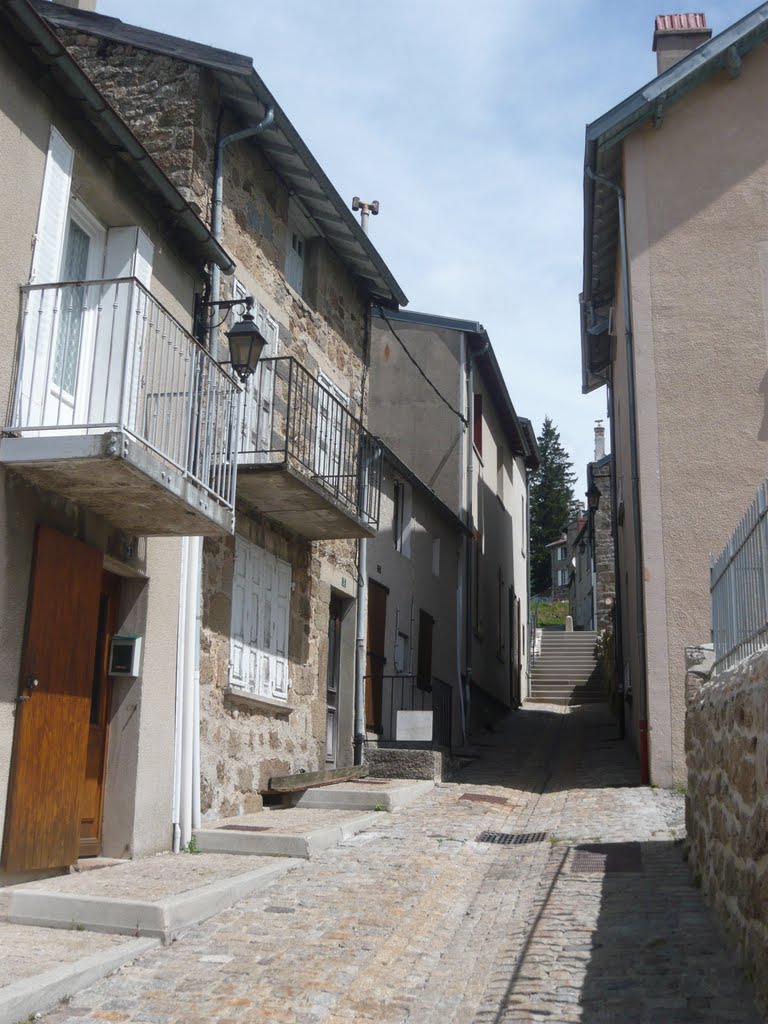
(466, 121)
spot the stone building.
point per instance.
(463, 437)
(559, 568)
(674, 326)
(274, 593)
(105, 461)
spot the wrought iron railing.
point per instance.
(290, 417)
(410, 693)
(96, 356)
(739, 587)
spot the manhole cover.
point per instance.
(482, 798)
(608, 858)
(511, 838)
(245, 828)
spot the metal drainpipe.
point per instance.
(472, 553)
(632, 411)
(187, 799)
(218, 201)
(361, 607)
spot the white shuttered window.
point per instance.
(261, 598)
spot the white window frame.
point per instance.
(259, 398)
(402, 517)
(260, 619)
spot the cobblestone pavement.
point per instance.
(417, 921)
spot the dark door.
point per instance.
(375, 661)
(92, 795)
(42, 825)
(335, 616)
(424, 654)
(514, 649)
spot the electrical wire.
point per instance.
(442, 398)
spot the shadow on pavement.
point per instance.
(620, 933)
(535, 749)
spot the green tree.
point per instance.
(552, 502)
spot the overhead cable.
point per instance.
(404, 347)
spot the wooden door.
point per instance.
(424, 654)
(333, 676)
(42, 825)
(92, 795)
(376, 660)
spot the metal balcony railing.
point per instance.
(290, 417)
(410, 693)
(739, 587)
(96, 356)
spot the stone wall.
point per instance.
(174, 108)
(726, 745)
(605, 565)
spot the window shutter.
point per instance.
(256, 437)
(282, 609)
(37, 338)
(240, 587)
(407, 519)
(128, 253)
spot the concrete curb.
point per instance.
(43, 991)
(162, 920)
(260, 844)
(390, 798)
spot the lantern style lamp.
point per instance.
(246, 343)
(593, 497)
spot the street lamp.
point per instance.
(593, 497)
(246, 342)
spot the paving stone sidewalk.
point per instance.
(415, 920)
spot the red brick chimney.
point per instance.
(676, 35)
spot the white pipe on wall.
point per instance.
(178, 730)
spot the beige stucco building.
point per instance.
(106, 460)
(674, 325)
(459, 434)
(277, 618)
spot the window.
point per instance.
(560, 553)
(500, 614)
(475, 556)
(436, 556)
(402, 654)
(334, 459)
(256, 423)
(294, 260)
(261, 597)
(500, 473)
(402, 518)
(477, 423)
(424, 652)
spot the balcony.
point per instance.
(118, 408)
(305, 460)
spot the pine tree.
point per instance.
(552, 502)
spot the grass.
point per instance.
(552, 613)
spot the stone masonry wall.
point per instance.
(174, 109)
(726, 744)
(605, 566)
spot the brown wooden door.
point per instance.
(376, 660)
(424, 654)
(92, 794)
(42, 825)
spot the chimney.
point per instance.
(599, 440)
(676, 35)
(80, 5)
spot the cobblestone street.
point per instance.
(416, 920)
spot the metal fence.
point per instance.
(739, 587)
(409, 693)
(104, 355)
(291, 417)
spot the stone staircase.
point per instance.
(565, 668)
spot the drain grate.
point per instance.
(484, 798)
(512, 838)
(608, 858)
(245, 828)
